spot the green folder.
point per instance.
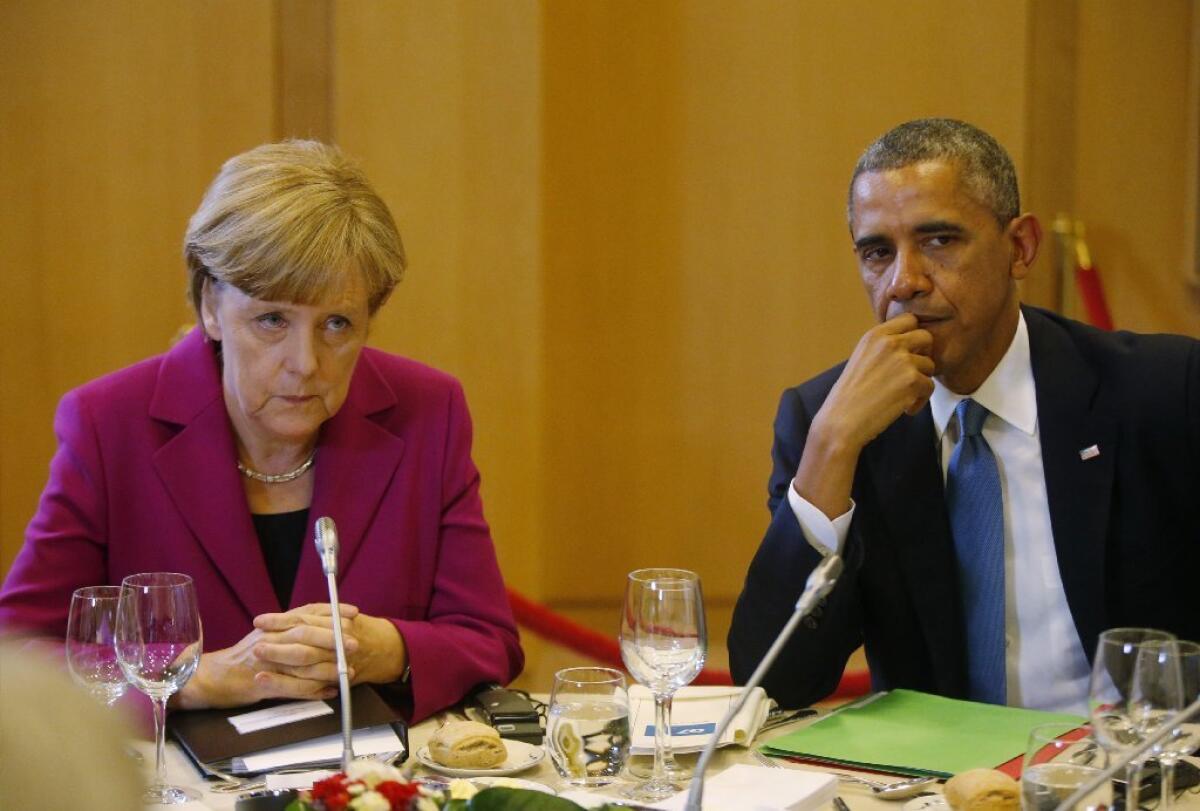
(906, 732)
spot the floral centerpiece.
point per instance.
(369, 785)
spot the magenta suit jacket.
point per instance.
(145, 480)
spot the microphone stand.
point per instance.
(1164, 732)
(820, 582)
(327, 546)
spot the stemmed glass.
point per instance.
(1115, 702)
(91, 632)
(664, 644)
(158, 644)
(1168, 680)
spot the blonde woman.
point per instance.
(216, 459)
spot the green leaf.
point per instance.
(518, 799)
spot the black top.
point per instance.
(281, 536)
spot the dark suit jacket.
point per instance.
(1126, 523)
(144, 480)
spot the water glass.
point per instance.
(91, 632)
(587, 729)
(1057, 762)
(158, 643)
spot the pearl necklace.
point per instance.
(278, 478)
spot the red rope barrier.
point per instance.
(560, 630)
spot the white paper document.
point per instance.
(369, 741)
(278, 716)
(695, 714)
(758, 788)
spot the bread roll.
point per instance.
(982, 790)
(467, 745)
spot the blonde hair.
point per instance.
(287, 221)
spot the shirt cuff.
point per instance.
(826, 536)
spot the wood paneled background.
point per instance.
(625, 220)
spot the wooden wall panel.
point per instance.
(115, 116)
(1130, 188)
(440, 101)
(697, 261)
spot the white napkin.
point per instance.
(695, 713)
(757, 788)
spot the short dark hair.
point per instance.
(987, 170)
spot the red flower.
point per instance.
(399, 795)
(331, 793)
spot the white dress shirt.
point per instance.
(1046, 665)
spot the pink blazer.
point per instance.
(145, 480)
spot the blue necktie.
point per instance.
(977, 522)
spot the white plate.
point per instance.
(934, 803)
(521, 756)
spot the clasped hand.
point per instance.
(291, 654)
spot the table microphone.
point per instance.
(327, 547)
(820, 583)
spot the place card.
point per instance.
(278, 716)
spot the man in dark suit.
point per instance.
(1002, 483)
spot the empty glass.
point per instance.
(587, 728)
(664, 643)
(91, 632)
(158, 644)
(1058, 761)
(1113, 704)
(1173, 670)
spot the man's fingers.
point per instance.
(925, 365)
(904, 322)
(921, 399)
(918, 341)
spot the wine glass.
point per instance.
(158, 644)
(664, 644)
(91, 630)
(1057, 763)
(1169, 677)
(1113, 697)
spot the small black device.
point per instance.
(511, 713)
(1187, 776)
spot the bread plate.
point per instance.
(521, 756)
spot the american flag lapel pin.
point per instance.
(1090, 452)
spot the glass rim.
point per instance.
(1051, 735)
(1116, 635)
(1184, 647)
(663, 573)
(108, 592)
(614, 676)
(155, 580)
